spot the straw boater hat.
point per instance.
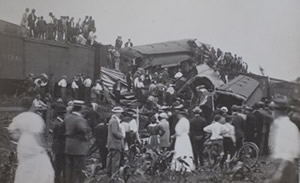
(117, 110)
(280, 102)
(197, 110)
(78, 102)
(224, 109)
(164, 115)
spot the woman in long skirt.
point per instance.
(183, 147)
(33, 161)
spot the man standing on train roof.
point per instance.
(63, 87)
(24, 22)
(31, 23)
(129, 43)
(77, 143)
(115, 141)
(119, 42)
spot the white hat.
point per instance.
(163, 115)
(78, 102)
(224, 109)
(197, 109)
(117, 110)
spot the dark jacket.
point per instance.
(196, 126)
(58, 145)
(101, 132)
(239, 126)
(77, 131)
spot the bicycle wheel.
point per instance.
(214, 154)
(248, 154)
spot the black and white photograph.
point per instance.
(150, 91)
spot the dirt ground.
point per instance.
(8, 162)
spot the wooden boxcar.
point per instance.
(20, 56)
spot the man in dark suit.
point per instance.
(115, 142)
(101, 133)
(197, 135)
(77, 144)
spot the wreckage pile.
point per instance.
(109, 78)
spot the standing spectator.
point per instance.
(128, 81)
(284, 141)
(197, 135)
(24, 22)
(117, 91)
(78, 24)
(216, 129)
(91, 24)
(87, 89)
(31, 23)
(165, 76)
(70, 30)
(183, 147)
(75, 88)
(139, 89)
(65, 28)
(117, 55)
(77, 144)
(164, 125)
(170, 92)
(63, 87)
(92, 36)
(55, 28)
(229, 140)
(155, 132)
(115, 141)
(101, 133)
(239, 125)
(178, 75)
(27, 128)
(58, 146)
(133, 127)
(51, 84)
(50, 27)
(85, 27)
(95, 93)
(42, 26)
(119, 42)
(251, 126)
(129, 43)
(60, 29)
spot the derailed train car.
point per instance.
(20, 56)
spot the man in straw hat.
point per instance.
(77, 143)
(284, 141)
(114, 141)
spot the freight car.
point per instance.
(20, 56)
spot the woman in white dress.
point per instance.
(33, 161)
(183, 147)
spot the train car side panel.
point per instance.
(11, 57)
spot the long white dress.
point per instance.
(33, 162)
(183, 147)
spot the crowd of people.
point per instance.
(62, 29)
(222, 62)
(172, 127)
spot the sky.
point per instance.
(265, 33)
